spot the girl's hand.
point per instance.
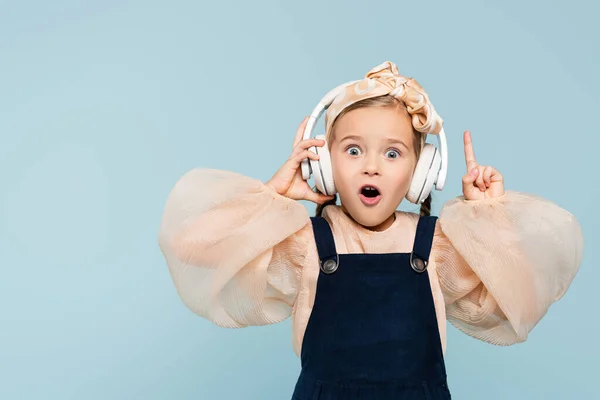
(480, 182)
(288, 180)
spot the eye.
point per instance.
(393, 153)
(353, 150)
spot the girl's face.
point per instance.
(373, 147)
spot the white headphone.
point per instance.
(431, 169)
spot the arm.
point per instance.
(502, 262)
(234, 247)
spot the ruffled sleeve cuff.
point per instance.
(503, 262)
(234, 247)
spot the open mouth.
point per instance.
(370, 195)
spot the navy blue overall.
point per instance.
(373, 331)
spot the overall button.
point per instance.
(329, 266)
(418, 265)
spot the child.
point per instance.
(369, 287)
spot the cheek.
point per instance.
(343, 174)
(402, 177)
(339, 169)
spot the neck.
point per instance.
(377, 228)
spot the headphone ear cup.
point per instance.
(425, 175)
(322, 170)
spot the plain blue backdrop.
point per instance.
(105, 104)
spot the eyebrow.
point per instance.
(389, 140)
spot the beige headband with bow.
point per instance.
(384, 79)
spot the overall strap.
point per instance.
(419, 258)
(328, 256)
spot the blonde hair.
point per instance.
(385, 101)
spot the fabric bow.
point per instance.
(384, 79)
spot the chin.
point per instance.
(370, 217)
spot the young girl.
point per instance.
(369, 287)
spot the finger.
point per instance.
(469, 152)
(318, 197)
(496, 176)
(479, 181)
(487, 175)
(469, 179)
(300, 131)
(303, 155)
(323, 198)
(305, 144)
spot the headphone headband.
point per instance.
(326, 102)
(322, 106)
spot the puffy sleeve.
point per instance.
(502, 262)
(234, 247)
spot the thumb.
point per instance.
(470, 177)
(318, 198)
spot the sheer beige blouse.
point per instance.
(240, 254)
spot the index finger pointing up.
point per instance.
(469, 152)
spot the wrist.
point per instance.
(269, 185)
(272, 187)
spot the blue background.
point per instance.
(105, 104)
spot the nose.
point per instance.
(371, 166)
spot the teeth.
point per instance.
(369, 191)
